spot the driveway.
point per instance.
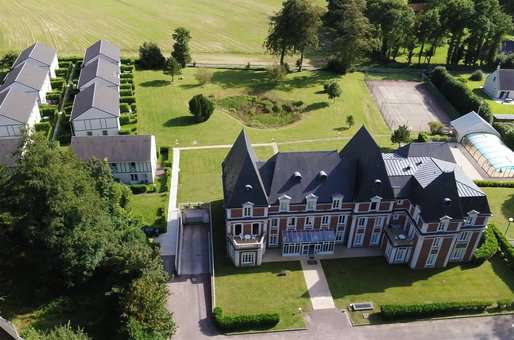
(194, 255)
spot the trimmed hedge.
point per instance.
(458, 94)
(124, 119)
(54, 97)
(126, 93)
(124, 108)
(48, 111)
(127, 68)
(405, 311)
(505, 304)
(133, 107)
(125, 87)
(244, 322)
(495, 184)
(57, 84)
(128, 99)
(124, 132)
(126, 76)
(489, 246)
(138, 189)
(44, 128)
(506, 248)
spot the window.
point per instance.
(247, 210)
(284, 205)
(443, 225)
(291, 223)
(255, 228)
(396, 217)
(340, 235)
(248, 258)
(273, 240)
(431, 259)
(373, 206)
(311, 202)
(90, 133)
(399, 256)
(114, 167)
(379, 221)
(133, 177)
(458, 252)
(104, 132)
(308, 222)
(436, 243)
(325, 220)
(464, 236)
(359, 238)
(361, 222)
(274, 223)
(399, 202)
(471, 219)
(341, 219)
(375, 238)
(337, 202)
(238, 229)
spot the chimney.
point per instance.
(248, 187)
(323, 174)
(447, 202)
(297, 175)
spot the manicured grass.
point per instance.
(476, 87)
(163, 109)
(237, 27)
(501, 202)
(372, 279)
(147, 206)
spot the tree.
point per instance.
(307, 33)
(428, 28)
(277, 72)
(181, 52)
(173, 68)
(201, 107)
(8, 59)
(350, 121)
(346, 33)
(64, 332)
(401, 135)
(150, 57)
(333, 90)
(203, 76)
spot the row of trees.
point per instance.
(351, 29)
(65, 225)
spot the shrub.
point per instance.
(478, 75)
(126, 76)
(337, 66)
(124, 132)
(48, 111)
(435, 127)
(124, 119)
(125, 86)
(201, 107)
(138, 189)
(505, 304)
(167, 164)
(203, 76)
(44, 128)
(124, 108)
(488, 248)
(239, 323)
(402, 311)
(507, 133)
(128, 99)
(496, 184)
(439, 138)
(458, 94)
(62, 72)
(422, 138)
(165, 152)
(506, 248)
(126, 93)
(57, 84)
(150, 57)
(127, 68)
(53, 97)
(133, 107)
(277, 72)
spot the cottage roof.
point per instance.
(103, 98)
(102, 47)
(102, 69)
(114, 149)
(28, 74)
(505, 79)
(17, 104)
(39, 52)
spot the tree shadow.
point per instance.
(508, 206)
(156, 83)
(190, 86)
(180, 121)
(316, 106)
(480, 93)
(341, 128)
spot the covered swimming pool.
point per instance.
(493, 156)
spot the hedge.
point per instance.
(506, 248)
(404, 311)
(138, 189)
(458, 94)
(124, 119)
(133, 107)
(126, 93)
(126, 76)
(505, 304)
(48, 111)
(506, 130)
(128, 99)
(127, 68)
(54, 97)
(244, 322)
(496, 184)
(125, 87)
(62, 72)
(124, 132)
(44, 127)
(57, 84)
(124, 108)
(489, 246)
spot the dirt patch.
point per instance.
(407, 102)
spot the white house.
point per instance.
(19, 111)
(102, 72)
(499, 85)
(41, 55)
(96, 112)
(102, 49)
(133, 159)
(29, 77)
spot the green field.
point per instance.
(236, 27)
(163, 109)
(501, 201)
(382, 283)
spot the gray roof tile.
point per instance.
(102, 69)
(39, 52)
(96, 96)
(102, 47)
(27, 74)
(114, 149)
(17, 104)
(506, 79)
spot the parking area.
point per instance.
(407, 102)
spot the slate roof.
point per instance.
(505, 79)
(439, 150)
(114, 149)
(102, 47)
(96, 96)
(28, 74)
(39, 52)
(239, 172)
(102, 69)
(17, 104)
(8, 147)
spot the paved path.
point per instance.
(195, 250)
(321, 298)
(460, 155)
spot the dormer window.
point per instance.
(472, 217)
(443, 224)
(284, 203)
(375, 201)
(337, 202)
(311, 201)
(248, 209)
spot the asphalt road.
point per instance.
(195, 250)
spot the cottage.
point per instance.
(100, 72)
(39, 55)
(133, 159)
(29, 77)
(102, 49)
(96, 112)
(499, 85)
(19, 111)
(414, 205)
(8, 147)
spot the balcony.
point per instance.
(397, 236)
(248, 241)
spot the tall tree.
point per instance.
(428, 25)
(181, 53)
(173, 68)
(346, 32)
(307, 33)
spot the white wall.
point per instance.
(490, 86)
(54, 66)
(124, 172)
(12, 128)
(96, 121)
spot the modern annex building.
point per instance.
(414, 203)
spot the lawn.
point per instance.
(236, 27)
(501, 201)
(163, 108)
(147, 207)
(372, 279)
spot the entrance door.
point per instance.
(317, 248)
(305, 249)
(311, 249)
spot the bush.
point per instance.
(422, 138)
(240, 323)
(478, 75)
(505, 304)
(277, 72)
(48, 111)
(126, 93)
(201, 107)
(203, 76)
(133, 107)
(404, 311)
(458, 94)
(435, 127)
(128, 99)
(62, 73)
(127, 68)
(138, 189)
(124, 119)
(495, 184)
(488, 248)
(126, 76)
(44, 128)
(507, 133)
(124, 132)
(337, 66)
(440, 138)
(125, 86)
(506, 248)
(53, 97)
(165, 152)
(150, 57)
(57, 84)
(124, 108)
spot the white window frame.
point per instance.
(443, 224)
(436, 243)
(290, 225)
(431, 259)
(397, 257)
(325, 221)
(380, 219)
(341, 220)
(375, 238)
(258, 229)
(311, 202)
(340, 235)
(364, 221)
(274, 223)
(337, 202)
(248, 258)
(248, 209)
(458, 254)
(375, 200)
(310, 223)
(273, 240)
(234, 229)
(284, 203)
(471, 219)
(358, 240)
(464, 236)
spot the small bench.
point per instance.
(360, 306)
